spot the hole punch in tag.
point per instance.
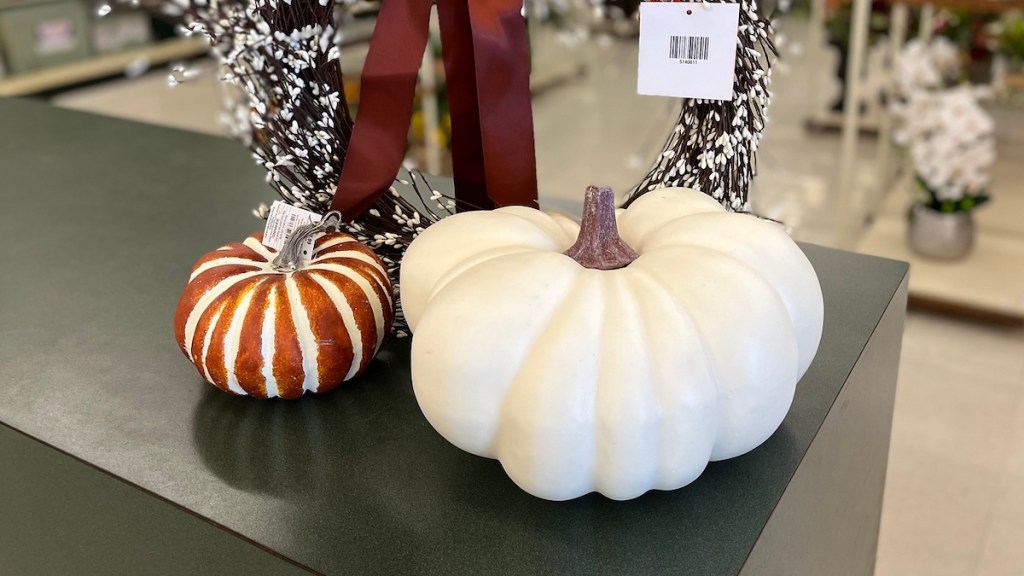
(282, 221)
(688, 49)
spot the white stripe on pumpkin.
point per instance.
(268, 345)
(353, 254)
(333, 242)
(226, 261)
(366, 287)
(231, 341)
(380, 280)
(255, 245)
(204, 303)
(211, 328)
(348, 321)
(384, 282)
(307, 345)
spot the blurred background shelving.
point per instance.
(48, 45)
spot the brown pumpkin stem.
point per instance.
(599, 245)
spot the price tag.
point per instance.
(688, 49)
(282, 221)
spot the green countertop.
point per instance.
(100, 222)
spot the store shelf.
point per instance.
(100, 66)
(6, 4)
(829, 121)
(989, 6)
(1014, 80)
(987, 284)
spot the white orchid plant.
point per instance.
(950, 137)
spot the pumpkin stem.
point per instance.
(599, 245)
(289, 259)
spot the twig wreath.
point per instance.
(713, 146)
(284, 56)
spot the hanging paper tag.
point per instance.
(283, 220)
(688, 49)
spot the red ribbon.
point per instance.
(486, 61)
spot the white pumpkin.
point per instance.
(610, 380)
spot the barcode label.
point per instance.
(688, 47)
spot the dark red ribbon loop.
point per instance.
(502, 58)
(487, 68)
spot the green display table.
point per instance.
(115, 458)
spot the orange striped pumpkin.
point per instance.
(251, 330)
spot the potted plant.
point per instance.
(952, 146)
(942, 228)
(951, 142)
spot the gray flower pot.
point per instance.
(939, 234)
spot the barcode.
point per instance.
(688, 47)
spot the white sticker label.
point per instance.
(688, 49)
(282, 220)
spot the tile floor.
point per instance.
(954, 501)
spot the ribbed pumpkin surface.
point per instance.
(251, 330)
